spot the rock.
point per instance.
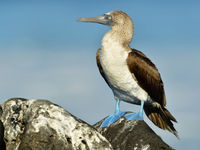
(2, 143)
(42, 125)
(132, 135)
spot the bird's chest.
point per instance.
(113, 61)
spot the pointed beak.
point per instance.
(99, 19)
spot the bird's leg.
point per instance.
(117, 107)
(136, 116)
(114, 117)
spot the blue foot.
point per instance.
(111, 119)
(114, 117)
(136, 116)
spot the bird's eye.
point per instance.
(110, 17)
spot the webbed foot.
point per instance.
(111, 119)
(136, 116)
(114, 117)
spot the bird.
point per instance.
(131, 75)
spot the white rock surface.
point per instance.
(42, 125)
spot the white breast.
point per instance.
(113, 60)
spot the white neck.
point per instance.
(113, 39)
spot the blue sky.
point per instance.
(46, 54)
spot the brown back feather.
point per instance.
(149, 79)
(147, 76)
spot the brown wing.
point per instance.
(149, 79)
(100, 67)
(147, 76)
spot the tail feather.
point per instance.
(169, 115)
(161, 117)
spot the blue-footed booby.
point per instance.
(130, 74)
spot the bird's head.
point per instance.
(119, 21)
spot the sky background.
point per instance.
(46, 54)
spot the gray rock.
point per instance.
(132, 135)
(42, 125)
